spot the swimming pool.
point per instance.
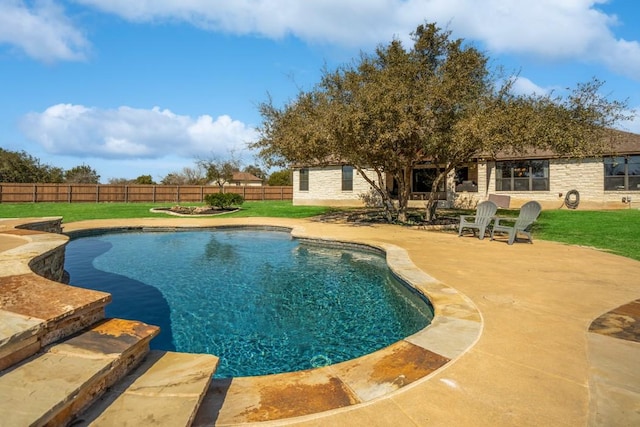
(260, 300)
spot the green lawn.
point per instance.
(617, 231)
(71, 212)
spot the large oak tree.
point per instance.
(438, 101)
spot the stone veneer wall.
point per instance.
(49, 225)
(325, 188)
(586, 176)
(49, 264)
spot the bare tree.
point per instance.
(83, 174)
(219, 171)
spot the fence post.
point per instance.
(202, 194)
(69, 193)
(263, 193)
(35, 193)
(177, 194)
(154, 194)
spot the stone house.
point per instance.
(608, 182)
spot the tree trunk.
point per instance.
(380, 188)
(387, 203)
(404, 192)
(432, 203)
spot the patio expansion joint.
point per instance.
(534, 369)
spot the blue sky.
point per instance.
(146, 87)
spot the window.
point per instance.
(522, 175)
(304, 179)
(423, 178)
(466, 178)
(347, 178)
(622, 173)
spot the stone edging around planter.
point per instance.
(168, 212)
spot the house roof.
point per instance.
(245, 177)
(622, 143)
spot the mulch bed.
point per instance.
(367, 216)
(445, 218)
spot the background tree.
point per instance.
(194, 175)
(188, 176)
(173, 178)
(219, 171)
(144, 179)
(436, 102)
(20, 167)
(280, 178)
(255, 171)
(119, 181)
(83, 174)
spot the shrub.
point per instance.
(223, 200)
(371, 199)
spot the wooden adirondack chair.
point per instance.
(528, 214)
(485, 212)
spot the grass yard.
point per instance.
(71, 212)
(616, 231)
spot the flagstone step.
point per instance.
(51, 387)
(35, 312)
(35, 309)
(165, 390)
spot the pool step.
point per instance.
(37, 311)
(165, 390)
(51, 387)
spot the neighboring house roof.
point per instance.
(244, 177)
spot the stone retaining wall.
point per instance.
(49, 264)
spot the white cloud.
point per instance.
(524, 86)
(557, 30)
(350, 22)
(42, 31)
(551, 29)
(131, 133)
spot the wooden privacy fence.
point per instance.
(73, 193)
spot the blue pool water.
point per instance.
(258, 299)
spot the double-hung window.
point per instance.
(622, 173)
(304, 179)
(522, 175)
(347, 178)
